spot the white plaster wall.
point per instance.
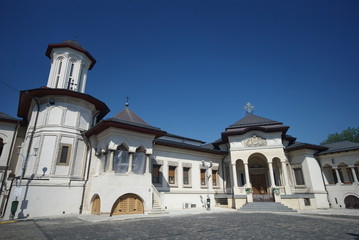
(338, 192)
(111, 186)
(237, 142)
(168, 156)
(176, 200)
(47, 199)
(350, 158)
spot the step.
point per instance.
(265, 207)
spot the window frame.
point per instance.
(189, 184)
(203, 170)
(175, 180)
(68, 156)
(215, 173)
(296, 168)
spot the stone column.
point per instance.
(338, 175)
(286, 179)
(354, 174)
(246, 171)
(234, 175)
(110, 161)
(130, 159)
(270, 166)
(148, 157)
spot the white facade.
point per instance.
(71, 162)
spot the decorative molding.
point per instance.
(255, 141)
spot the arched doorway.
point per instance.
(351, 201)
(259, 177)
(128, 204)
(96, 205)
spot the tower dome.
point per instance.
(69, 65)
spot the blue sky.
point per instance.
(190, 66)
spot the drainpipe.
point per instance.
(89, 147)
(7, 166)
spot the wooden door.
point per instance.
(96, 205)
(128, 204)
(259, 184)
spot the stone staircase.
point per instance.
(265, 207)
(156, 208)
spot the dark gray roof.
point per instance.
(184, 138)
(7, 117)
(253, 120)
(129, 116)
(73, 43)
(336, 147)
(301, 145)
(187, 146)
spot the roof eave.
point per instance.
(64, 45)
(105, 124)
(226, 134)
(188, 147)
(26, 97)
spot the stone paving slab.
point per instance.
(220, 225)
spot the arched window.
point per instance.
(120, 159)
(71, 84)
(139, 161)
(1, 145)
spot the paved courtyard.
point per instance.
(231, 225)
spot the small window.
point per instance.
(172, 175)
(186, 175)
(306, 201)
(203, 177)
(1, 145)
(298, 176)
(214, 178)
(64, 154)
(156, 174)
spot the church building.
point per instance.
(64, 156)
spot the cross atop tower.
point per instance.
(249, 108)
(126, 103)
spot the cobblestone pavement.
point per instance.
(232, 225)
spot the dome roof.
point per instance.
(73, 43)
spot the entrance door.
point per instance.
(127, 204)
(259, 184)
(96, 205)
(259, 187)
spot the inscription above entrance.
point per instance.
(255, 141)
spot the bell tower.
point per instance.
(69, 65)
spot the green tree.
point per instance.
(350, 134)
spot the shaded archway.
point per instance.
(329, 174)
(241, 178)
(96, 205)
(351, 201)
(128, 204)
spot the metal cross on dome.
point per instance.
(127, 104)
(249, 108)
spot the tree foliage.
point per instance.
(350, 134)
